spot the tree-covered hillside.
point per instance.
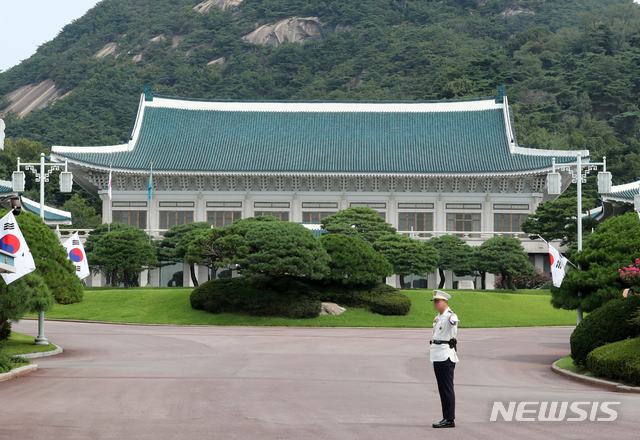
(571, 67)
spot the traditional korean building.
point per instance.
(428, 168)
(619, 201)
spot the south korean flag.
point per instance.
(78, 257)
(13, 242)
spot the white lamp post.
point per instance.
(578, 177)
(42, 176)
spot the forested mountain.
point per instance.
(572, 68)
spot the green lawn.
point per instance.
(22, 344)
(149, 305)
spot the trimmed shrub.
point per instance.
(619, 361)
(8, 363)
(393, 303)
(378, 298)
(612, 322)
(5, 331)
(282, 298)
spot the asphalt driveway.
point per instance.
(181, 382)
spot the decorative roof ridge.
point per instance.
(297, 101)
(106, 149)
(625, 187)
(525, 151)
(46, 208)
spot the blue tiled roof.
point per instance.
(5, 187)
(323, 141)
(50, 214)
(627, 194)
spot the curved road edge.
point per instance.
(614, 386)
(16, 372)
(40, 354)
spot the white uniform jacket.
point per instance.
(445, 328)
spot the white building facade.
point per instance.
(427, 168)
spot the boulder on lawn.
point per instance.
(331, 309)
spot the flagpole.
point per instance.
(41, 339)
(109, 202)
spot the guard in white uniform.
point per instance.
(443, 356)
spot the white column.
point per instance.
(440, 217)
(392, 211)
(106, 212)
(248, 206)
(155, 277)
(296, 212)
(200, 214)
(487, 221)
(152, 211)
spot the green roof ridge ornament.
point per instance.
(148, 94)
(502, 92)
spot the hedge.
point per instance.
(8, 363)
(378, 298)
(619, 361)
(294, 298)
(290, 299)
(612, 322)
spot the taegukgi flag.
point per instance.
(558, 263)
(12, 241)
(76, 253)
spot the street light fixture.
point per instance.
(579, 177)
(42, 176)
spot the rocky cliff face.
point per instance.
(293, 30)
(222, 4)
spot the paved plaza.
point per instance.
(181, 382)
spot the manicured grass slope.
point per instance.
(22, 344)
(171, 306)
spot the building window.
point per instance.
(271, 205)
(369, 205)
(509, 223)
(223, 218)
(463, 222)
(315, 217)
(224, 204)
(319, 205)
(176, 204)
(129, 204)
(282, 215)
(173, 218)
(415, 205)
(464, 205)
(415, 221)
(131, 218)
(511, 206)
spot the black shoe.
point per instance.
(444, 423)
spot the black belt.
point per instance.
(453, 343)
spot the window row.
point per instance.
(407, 221)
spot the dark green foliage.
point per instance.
(506, 257)
(124, 252)
(379, 298)
(175, 244)
(556, 220)
(353, 260)
(5, 330)
(83, 215)
(52, 262)
(359, 222)
(613, 245)
(454, 254)
(618, 361)
(407, 255)
(8, 363)
(394, 303)
(265, 248)
(610, 323)
(284, 297)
